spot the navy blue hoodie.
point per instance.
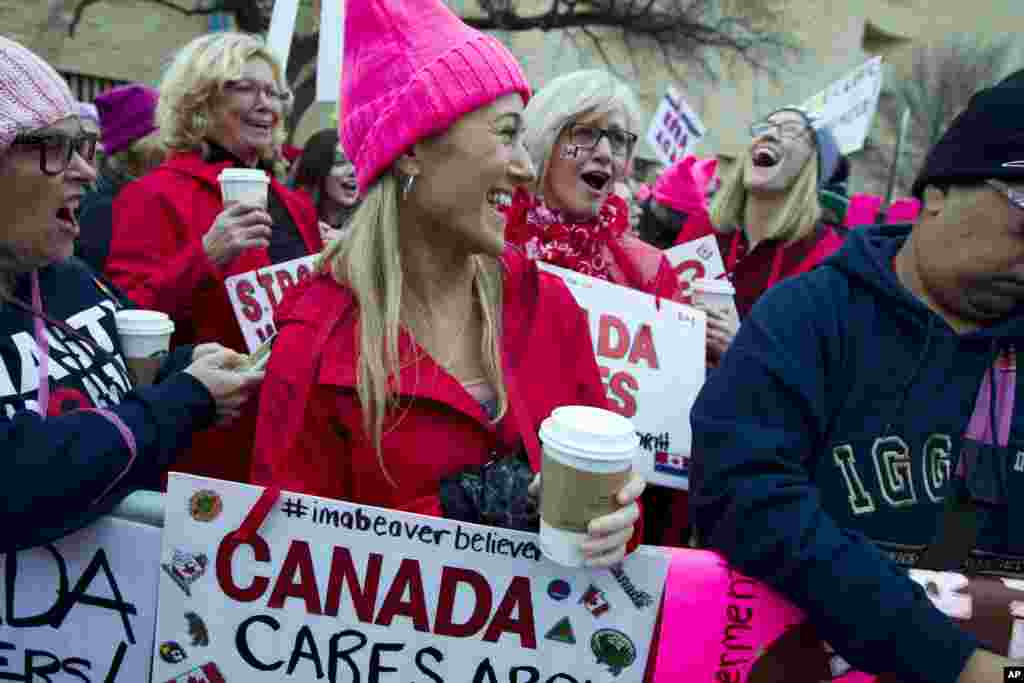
(59, 473)
(826, 442)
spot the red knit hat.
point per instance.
(411, 69)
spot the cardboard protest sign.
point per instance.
(652, 360)
(699, 258)
(848, 105)
(675, 128)
(256, 294)
(344, 592)
(82, 608)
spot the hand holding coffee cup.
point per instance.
(244, 223)
(716, 299)
(145, 340)
(588, 498)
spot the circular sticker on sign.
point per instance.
(205, 505)
(559, 589)
(613, 649)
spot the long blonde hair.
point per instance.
(368, 261)
(798, 217)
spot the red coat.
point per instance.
(310, 435)
(157, 258)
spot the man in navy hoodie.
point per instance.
(871, 402)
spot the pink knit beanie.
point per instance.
(126, 114)
(411, 70)
(683, 185)
(32, 94)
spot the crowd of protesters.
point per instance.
(859, 406)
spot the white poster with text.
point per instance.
(335, 591)
(848, 105)
(675, 128)
(699, 258)
(82, 608)
(255, 296)
(652, 359)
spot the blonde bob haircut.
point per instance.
(193, 86)
(368, 262)
(564, 100)
(798, 217)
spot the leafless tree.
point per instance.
(680, 33)
(935, 85)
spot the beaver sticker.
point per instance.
(205, 505)
(614, 649)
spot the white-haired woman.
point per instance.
(766, 216)
(76, 439)
(581, 132)
(222, 105)
(415, 372)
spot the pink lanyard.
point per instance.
(43, 342)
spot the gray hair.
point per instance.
(564, 100)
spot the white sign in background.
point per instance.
(699, 258)
(331, 590)
(83, 608)
(848, 105)
(282, 29)
(652, 361)
(675, 128)
(332, 36)
(255, 295)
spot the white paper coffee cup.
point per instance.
(145, 339)
(717, 295)
(244, 185)
(588, 458)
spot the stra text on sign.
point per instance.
(651, 355)
(336, 591)
(675, 128)
(255, 296)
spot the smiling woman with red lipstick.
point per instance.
(222, 105)
(581, 134)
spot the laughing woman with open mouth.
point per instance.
(581, 135)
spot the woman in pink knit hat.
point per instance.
(415, 371)
(75, 435)
(581, 134)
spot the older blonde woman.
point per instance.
(222, 105)
(766, 216)
(581, 132)
(414, 374)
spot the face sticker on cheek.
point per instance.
(571, 151)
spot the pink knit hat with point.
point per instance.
(683, 185)
(32, 94)
(127, 113)
(411, 70)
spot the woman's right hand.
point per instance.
(230, 386)
(237, 228)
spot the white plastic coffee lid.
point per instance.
(145, 322)
(715, 286)
(590, 433)
(249, 175)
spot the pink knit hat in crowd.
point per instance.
(683, 185)
(32, 94)
(411, 69)
(126, 114)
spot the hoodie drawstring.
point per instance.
(43, 342)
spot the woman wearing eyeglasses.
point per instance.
(222, 105)
(766, 216)
(75, 437)
(581, 134)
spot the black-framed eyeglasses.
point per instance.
(589, 137)
(1015, 197)
(56, 149)
(786, 130)
(249, 88)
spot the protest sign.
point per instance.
(848, 105)
(282, 29)
(652, 360)
(675, 128)
(256, 294)
(699, 258)
(329, 50)
(344, 592)
(83, 608)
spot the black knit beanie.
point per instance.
(985, 141)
